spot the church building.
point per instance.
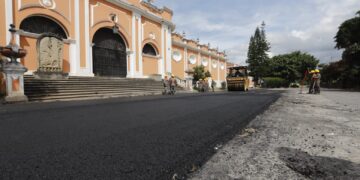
(110, 38)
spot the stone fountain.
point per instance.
(13, 71)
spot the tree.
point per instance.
(292, 66)
(257, 57)
(199, 73)
(348, 38)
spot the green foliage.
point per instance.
(346, 72)
(257, 57)
(199, 73)
(207, 74)
(292, 66)
(348, 38)
(275, 82)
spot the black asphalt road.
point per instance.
(138, 138)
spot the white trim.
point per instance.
(8, 18)
(142, 12)
(92, 13)
(185, 61)
(88, 53)
(209, 64)
(225, 69)
(35, 36)
(161, 66)
(199, 59)
(29, 72)
(72, 57)
(139, 48)
(169, 50)
(19, 4)
(75, 51)
(182, 44)
(131, 73)
(91, 65)
(218, 68)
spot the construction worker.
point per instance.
(173, 84)
(166, 85)
(311, 85)
(317, 78)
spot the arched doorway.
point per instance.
(109, 54)
(41, 25)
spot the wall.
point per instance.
(3, 25)
(150, 65)
(178, 66)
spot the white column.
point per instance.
(163, 47)
(8, 18)
(139, 48)
(88, 71)
(225, 64)
(73, 59)
(168, 50)
(218, 75)
(185, 61)
(77, 34)
(199, 59)
(133, 47)
(75, 48)
(209, 64)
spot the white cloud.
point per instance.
(307, 25)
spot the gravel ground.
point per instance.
(300, 136)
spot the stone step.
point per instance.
(87, 97)
(87, 91)
(85, 88)
(89, 86)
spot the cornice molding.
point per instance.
(142, 12)
(183, 45)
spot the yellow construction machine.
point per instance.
(237, 79)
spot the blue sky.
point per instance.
(306, 25)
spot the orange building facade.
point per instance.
(116, 38)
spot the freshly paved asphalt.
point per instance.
(138, 138)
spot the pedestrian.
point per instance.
(201, 85)
(206, 85)
(317, 78)
(213, 85)
(173, 84)
(312, 82)
(166, 85)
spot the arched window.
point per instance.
(39, 25)
(149, 50)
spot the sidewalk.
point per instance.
(300, 136)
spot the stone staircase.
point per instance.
(79, 88)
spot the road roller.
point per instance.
(237, 79)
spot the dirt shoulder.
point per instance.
(300, 136)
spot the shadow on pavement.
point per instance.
(318, 167)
